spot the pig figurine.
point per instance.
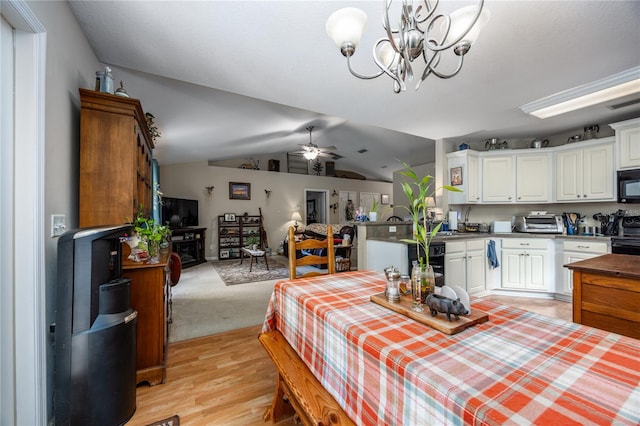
(437, 303)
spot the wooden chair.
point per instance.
(312, 259)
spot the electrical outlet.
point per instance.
(58, 225)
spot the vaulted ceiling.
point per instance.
(236, 79)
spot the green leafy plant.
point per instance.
(376, 208)
(251, 240)
(418, 190)
(153, 129)
(148, 230)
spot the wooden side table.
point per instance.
(253, 254)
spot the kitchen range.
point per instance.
(629, 242)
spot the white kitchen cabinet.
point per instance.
(525, 264)
(519, 178)
(465, 263)
(628, 143)
(464, 174)
(533, 178)
(498, 179)
(586, 172)
(380, 254)
(574, 251)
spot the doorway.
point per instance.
(316, 206)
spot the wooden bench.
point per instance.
(310, 400)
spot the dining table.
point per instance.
(519, 367)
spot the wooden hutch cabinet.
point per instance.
(115, 159)
(150, 296)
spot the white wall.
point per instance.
(71, 64)
(287, 191)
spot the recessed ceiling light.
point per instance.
(613, 87)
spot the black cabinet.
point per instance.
(189, 243)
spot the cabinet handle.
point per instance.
(578, 195)
(584, 196)
(584, 247)
(524, 244)
(509, 198)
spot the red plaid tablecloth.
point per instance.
(517, 368)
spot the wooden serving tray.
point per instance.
(439, 322)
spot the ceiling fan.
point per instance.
(311, 151)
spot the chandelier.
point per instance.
(421, 32)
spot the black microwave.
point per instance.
(629, 186)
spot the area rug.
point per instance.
(170, 421)
(232, 272)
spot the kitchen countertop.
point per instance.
(623, 265)
(473, 235)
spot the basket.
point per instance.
(343, 264)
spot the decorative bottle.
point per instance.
(416, 288)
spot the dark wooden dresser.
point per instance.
(606, 293)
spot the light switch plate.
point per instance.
(58, 225)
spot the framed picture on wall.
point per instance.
(229, 217)
(384, 199)
(239, 191)
(456, 176)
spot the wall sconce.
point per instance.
(209, 189)
(267, 192)
(296, 216)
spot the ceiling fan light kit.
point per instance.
(421, 32)
(311, 151)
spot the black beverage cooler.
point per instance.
(95, 331)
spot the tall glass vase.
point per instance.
(153, 247)
(427, 282)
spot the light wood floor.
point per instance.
(228, 379)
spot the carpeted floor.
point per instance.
(204, 305)
(232, 272)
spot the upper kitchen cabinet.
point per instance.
(115, 159)
(464, 174)
(585, 171)
(498, 179)
(520, 178)
(628, 143)
(533, 178)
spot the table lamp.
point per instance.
(296, 216)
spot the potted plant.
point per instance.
(418, 191)
(152, 236)
(252, 242)
(375, 210)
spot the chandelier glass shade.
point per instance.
(421, 32)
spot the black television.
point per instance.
(179, 212)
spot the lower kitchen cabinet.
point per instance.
(465, 263)
(525, 264)
(573, 251)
